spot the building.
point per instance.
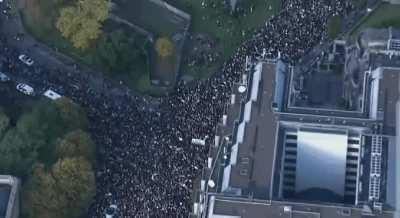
(381, 41)
(283, 151)
(9, 197)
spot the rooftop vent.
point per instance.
(287, 209)
(242, 89)
(345, 212)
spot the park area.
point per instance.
(386, 15)
(224, 31)
(157, 21)
(119, 53)
(202, 40)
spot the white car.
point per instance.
(24, 88)
(52, 94)
(4, 77)
(26, 60)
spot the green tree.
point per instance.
(164, 47)
(82, 23)
(76, 143)
(17, 154)
(63, 192)
(42, 124)
(31, 139)
(120, 52)
(72, 115)
(4, 122)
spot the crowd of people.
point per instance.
(147, 162)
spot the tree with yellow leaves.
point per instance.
(164, 47)
(82, 23)
(64, 191)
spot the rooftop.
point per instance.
(332, 79)
(389, 95)
(243, 208)
(253, 166)
(9, 197)
(4, 197)
(280, 160)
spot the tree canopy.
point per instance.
(30, 139)
(164, 47)
(76, 143)
(4, 122)
(64, 191)
(35, 135)
(82, 23)
(72, 114)
(120, 52)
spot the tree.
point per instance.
(164, 47)
(40, 195)
(42, 125)
(17, 154)
(72, 115)
(117, 51)
(76, 143)
(4, 122)
(32, 139)
(65, 191)
(82, 23)
(75, 183)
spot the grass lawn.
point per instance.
(334, 26)
(150, 16)
(385, 16)
(229, 31)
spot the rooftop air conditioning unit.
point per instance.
(378, 206)
(345, 212)
(287, 209)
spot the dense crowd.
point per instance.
(146, 161)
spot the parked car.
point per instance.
(26, 60)
(52, 94)
(24, 88)
(4, 77)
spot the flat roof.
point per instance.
(388, 96)
(259, 147)
(259, 141)
(321, 161)
(276, 209)
(5, 191)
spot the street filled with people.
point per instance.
(147, 163)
